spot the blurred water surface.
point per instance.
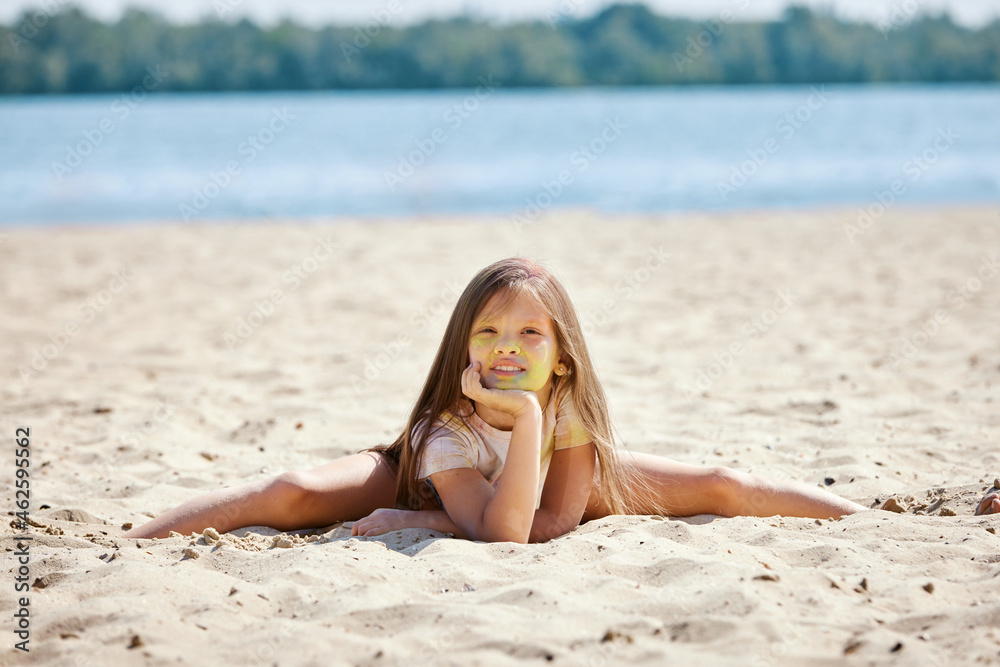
(121, 158)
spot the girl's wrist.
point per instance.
(433, 520)
(530, 417)
(531, 410)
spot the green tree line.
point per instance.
(71, 52)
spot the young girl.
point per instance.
(509, 440)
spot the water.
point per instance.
(114, 159)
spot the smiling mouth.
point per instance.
(504, 369)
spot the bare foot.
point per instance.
(990, 504)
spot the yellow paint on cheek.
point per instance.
(538, 370)
(478, 351)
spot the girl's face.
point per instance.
(516, 347)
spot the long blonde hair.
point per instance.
(442, 391)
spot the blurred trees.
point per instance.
(70, 52)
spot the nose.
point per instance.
(507, 347)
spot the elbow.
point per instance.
(502, 533)
(548, 532)
(550, 525)
(516, 538)
(506, 535)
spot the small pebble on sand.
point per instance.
(892, 505)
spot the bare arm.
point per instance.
(564, 499)
(568, 485)
(542, 526)
(506, 513)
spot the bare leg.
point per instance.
(343, 490)
(659, 485)
(758, 496)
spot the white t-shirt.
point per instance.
(472, 443)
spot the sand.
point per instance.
(792, 344)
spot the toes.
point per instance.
(989, 505)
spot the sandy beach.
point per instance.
(155, 362)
